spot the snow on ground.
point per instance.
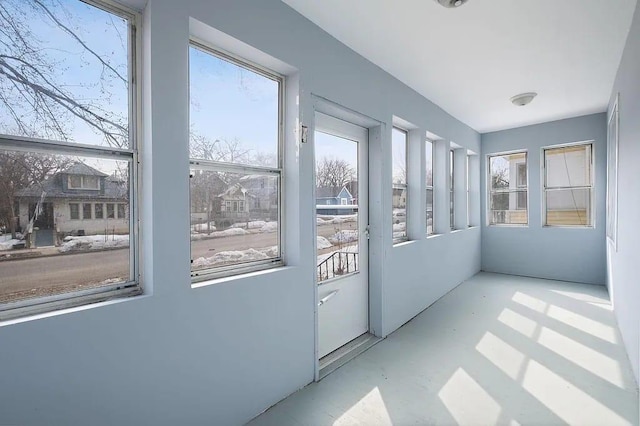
(256, 224)
(231, 232)
(93, 242)
(397, 227)
(269, 227)
(7, 244)
(323, 243)
(399, 212)
(202, 227)
(333, 219)
(236, 256)
(344, 236)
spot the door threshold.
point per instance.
(336, 359)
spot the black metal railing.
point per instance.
(339, 263)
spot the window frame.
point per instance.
(518, 189)
(401, 185)
(133, 286)
(430, 187)
(213, 273)
(591, 186)
(452, 189)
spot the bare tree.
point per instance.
(333, 173)
(20, 170)
(35, 101)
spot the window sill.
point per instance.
(403, 243)
(431, 236)
(588, 227)
(508, 225)
(208, 280)
(67, 306)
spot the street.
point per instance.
(45, 275)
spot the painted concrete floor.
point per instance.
(498, 349)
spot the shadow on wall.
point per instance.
(497, 350)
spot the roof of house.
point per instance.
(329, 192)
(79, 168)
(52, 186)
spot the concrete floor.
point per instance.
(498, 349)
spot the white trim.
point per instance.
(613, 162)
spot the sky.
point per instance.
(334, 147)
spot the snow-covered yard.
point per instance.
(335, 219)
(203, 227)
(323, 243)
(93, 242)
(344, 236)
(240, 228)
(236, 256)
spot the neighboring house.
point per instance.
(234, 205)
(400, 196)
(264, 196)
(331, 201)
(77, 200)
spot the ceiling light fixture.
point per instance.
(451, 3)
(523, 98)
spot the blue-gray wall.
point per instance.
(624, 264)
(221, 353)
(568, 254)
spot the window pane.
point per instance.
(337, 226)
(451, 190)
(110, 211)
(40, 216)
(99, 211)
(86, 211)
(66, 72)
(568, 166)
(429, 210)
(569, 207)
(234, 218)
(399, 157)
(429, 162)
(508, 189)
(240, 123)
(429, 184)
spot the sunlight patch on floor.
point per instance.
(370, 407)
(519, 323)
(582, 323)
(562, 397)
(467, 401)
(501, 354)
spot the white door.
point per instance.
(342, 232)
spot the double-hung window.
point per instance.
(429, 184)
(235, 164)
(399, 158)
(67, 140)
(568, 185)
(508, 188)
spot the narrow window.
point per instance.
(74, 211)
(468, 193)
(86, 211)
(110, 211)
(399, 170)
(235, 161)
(99, 213)
(122, 211)
(429, 184)
(451, 189)
(508, 190)
(568, 185)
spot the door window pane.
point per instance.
(337, 224)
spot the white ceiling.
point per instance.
(471, 60)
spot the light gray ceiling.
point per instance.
(471, 60)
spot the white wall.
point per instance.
(623, 272)
(569, 254)
(222, 353)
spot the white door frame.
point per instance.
(375, 131)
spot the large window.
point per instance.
(67, 141)
(236, 176)
(429, 184)
(399, 158)
(568, 185)
(508, 190)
